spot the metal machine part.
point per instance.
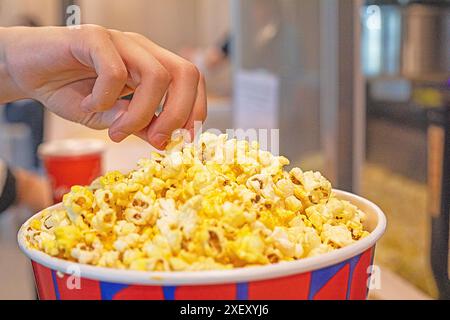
(406, 39)
(408, 43)
(435, 97)
(426, 40)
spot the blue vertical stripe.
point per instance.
(319, 278)
(55, 285)
(169, 292)
(242, 291)
(109, 290)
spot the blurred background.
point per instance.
(359, 90)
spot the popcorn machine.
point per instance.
(406, 58)
(435, 96)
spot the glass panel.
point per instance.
(282, 38)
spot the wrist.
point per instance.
(9, 90)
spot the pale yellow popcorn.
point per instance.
(285, 188)
(263, 185)
(78, 202)
(217, 204)
(125, 242)
(157, 264)
(104, 220)
(282, 242)
(131, 255)
(141, 209)
(84, 254)
(207, 263)
(249, 248)
(67, 237)
(339, 236)
(48, 243)
(110, 259)
(293, 204)
(321, 249)
(57, 218)
(233, 215)
(275, 166)
(172, 165)
(157, 184)
(316, 187)
(124, 228)
(178, 264)
(104, 198)
(265, 158)
(311, 239)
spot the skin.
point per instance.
(81, 74)
(27, 185)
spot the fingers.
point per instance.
(111, 71)
(199, 111)
(177, 108)
(152, 81)
(125, 63)
(181, 97)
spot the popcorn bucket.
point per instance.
(341, 274)
(71, 162)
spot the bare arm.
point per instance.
(80, 74)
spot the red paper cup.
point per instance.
(71, 162)
(341, 274)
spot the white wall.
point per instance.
(214, 20)
(46, 11)
(171, 23)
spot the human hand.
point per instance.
(32, 190)
(80, 74)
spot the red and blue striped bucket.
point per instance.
(341, 274)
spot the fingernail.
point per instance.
(118, 136)
(159, 140)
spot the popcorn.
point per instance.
(338, 236)
(110, 259)
(293, 204)
(104, 220)
(84, 254)
(141, 211)
(217, 204)
(80, 201)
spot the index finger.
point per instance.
(181, 97)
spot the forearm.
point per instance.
(9, 91)
(21, 187)
(7, 187)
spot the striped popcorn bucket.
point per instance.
(340, 274)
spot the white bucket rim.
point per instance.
(71, 147)
(238, 275)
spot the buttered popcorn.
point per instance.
(218, 204)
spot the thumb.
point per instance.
(104, 120)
